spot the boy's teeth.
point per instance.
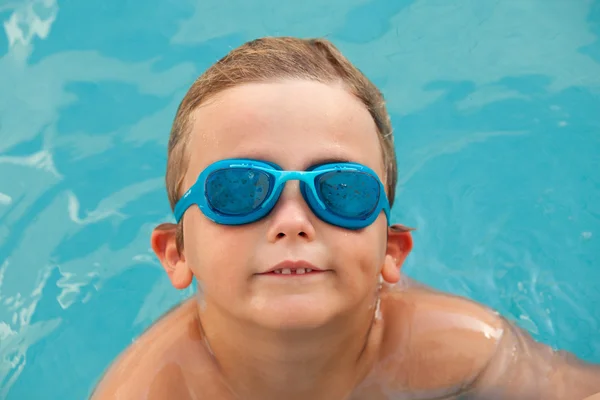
(290, 271)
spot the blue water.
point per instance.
(496, 108)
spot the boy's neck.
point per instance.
(324, 363)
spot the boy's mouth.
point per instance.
(289, 271)
(293, 268)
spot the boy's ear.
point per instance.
(164, 244)
(399, 245)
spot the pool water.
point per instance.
(496, 109)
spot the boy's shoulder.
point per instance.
(435, 341)
(159, 363)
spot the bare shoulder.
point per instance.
(154, 366)
(435, 342)
(439, 345)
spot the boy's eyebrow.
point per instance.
(311, 163)
(327, 160)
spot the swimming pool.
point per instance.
(496, 108)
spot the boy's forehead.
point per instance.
(292, 124)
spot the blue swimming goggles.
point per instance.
(241, 191)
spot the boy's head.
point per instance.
(295, 103)
(270, 60)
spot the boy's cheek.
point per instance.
(366, 247)
(218, 248)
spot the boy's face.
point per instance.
(295, 124)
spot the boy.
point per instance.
(281, 172)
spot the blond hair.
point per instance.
(275, 58)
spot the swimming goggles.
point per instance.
(242, 191)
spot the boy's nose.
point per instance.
(291, 217)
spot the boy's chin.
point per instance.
(297, 313)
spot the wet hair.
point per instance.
(271, 59)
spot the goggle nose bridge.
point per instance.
(306, 177)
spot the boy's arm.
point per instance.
(445, 343)
(524, 368)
